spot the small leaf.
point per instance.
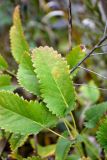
(22, 117)
(5, 83)
(32, 158)
(18, 42)
(3, 63)
(102, 135)
(91, 148)
(55, 83)
(93, 114)
(26, 76)
(17, 141)
(75, 56)
(62, 148)
(90, 92)
(46, 151)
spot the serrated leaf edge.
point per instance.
(28, 102)
(39, 81)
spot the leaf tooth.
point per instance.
(5, 75)
(10, 131)
(15, 94)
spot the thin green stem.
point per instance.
(68, 123)
(68, 129)
(10, 73)
(59, 135)
(73, 136)
(73, 121)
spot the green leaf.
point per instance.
(43, 151)
(55, 83)
(26, 76)
(91, 148)
(102, 135)
(3, 63)
(22, 117)
(46, 151)
(90, 92)
(93, 114)
(17, 141)
(62, 148)
(5, 83)
(18, 42)
(75, 56)
(32, 158)
(73, 157)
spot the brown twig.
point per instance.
(70, 25)
(88, 55)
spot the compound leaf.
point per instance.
(26, 76)
(93, 114)
(55, 83)
(18, 42)
(22, 117)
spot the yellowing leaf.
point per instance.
(17, 39)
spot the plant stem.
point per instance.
(73, 121)
(10, 73)
(75, 133)
(59, 135)
(88, 55)
(70, 25)
(70, 126)
(68, 129)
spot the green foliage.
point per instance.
(18, 42)
(62, 148)
(26, 75)
(91, 148)
(5, 82)
(32, 158)
(46, 74)
(19, 116)
(55, 83)
(102, 135)
(90, 92)
(93, 114)
(75, 56)
(43, 151)
(17, 141)
(46, 151)
(3, 63)
(73, 157)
